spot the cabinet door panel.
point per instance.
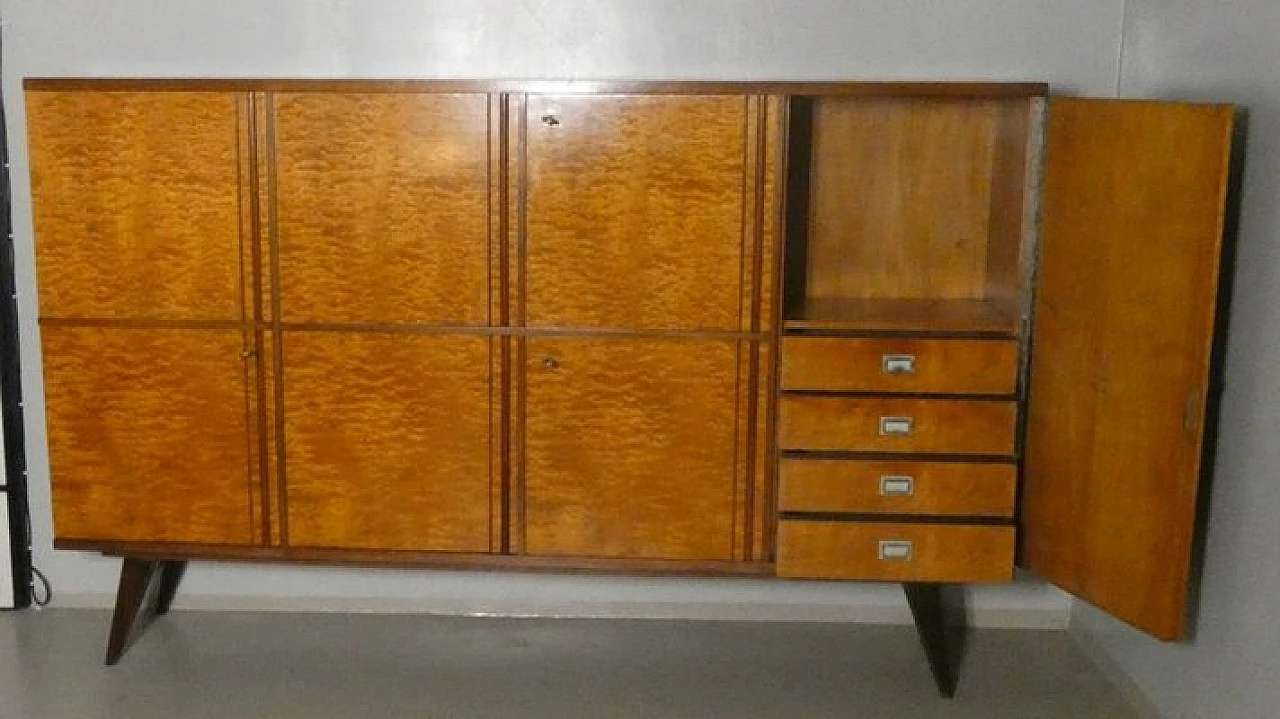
(387, 441)
(1133, 202)
(136, 203)
(383, 207)
(149, 436)
(635, 211)
(630, 448)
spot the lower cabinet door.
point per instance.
(630, 448)
(149, 436)
(388, 441)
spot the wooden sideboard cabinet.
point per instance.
(899, 332)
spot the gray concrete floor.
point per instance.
(214, 664)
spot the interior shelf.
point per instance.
(903, 315)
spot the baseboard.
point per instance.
(1046, 617)
(1088, 641)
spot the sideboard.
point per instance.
(903, 332)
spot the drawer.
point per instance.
(887, 424)
(897, 487)
(900, 365)
(876, 551)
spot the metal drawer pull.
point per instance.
(898, 364)
(896, 550)
(896, 425)
(897, 485)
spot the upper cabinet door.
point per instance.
(382, 206)
(137, 203)
(1133, 206)
(635, 211)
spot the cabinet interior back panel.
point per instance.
(908, 199)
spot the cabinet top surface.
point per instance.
(852, 88)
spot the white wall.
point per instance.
(1225, 51)
(1072, 43)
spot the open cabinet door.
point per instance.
(1131, 233)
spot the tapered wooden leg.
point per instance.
(135, 580)
(170, 576)
(940, 621)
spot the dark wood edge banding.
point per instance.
(260, 366)
(958, 89)
(871, 518)
(863, 394)
(897, 456)
(993, 335)
(273, 239)
(413, 559)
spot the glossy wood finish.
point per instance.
(1123, 333)
(382, 206)
(850, 550)
(938, 488)
(388, 442)
(962, 317)
(135, 204)
(950, 426)
(941, 366)
(630, 448)
(148, 436)
(635, 212)
(905, 201)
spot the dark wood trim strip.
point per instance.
(414, 559)
(942, 90)
(782, 186)
(260, 366)
(994, 335)
(501, 124)
(897, 456)
(901, 395)
(871, 518)
(277, 346)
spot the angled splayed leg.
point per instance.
(939, 614)
(140, 598)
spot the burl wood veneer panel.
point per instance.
(635, 211)
(630, 448)
(387, 441)
(148, 435)
(383, 207)
(136, 203)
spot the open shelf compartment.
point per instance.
(907, 214)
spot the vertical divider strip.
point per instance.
(499, 228)
(277, 355)
(252, 107)
(518, 109)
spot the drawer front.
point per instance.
(900, 365)
(874, 551)
(886, 424)
(897, 487)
